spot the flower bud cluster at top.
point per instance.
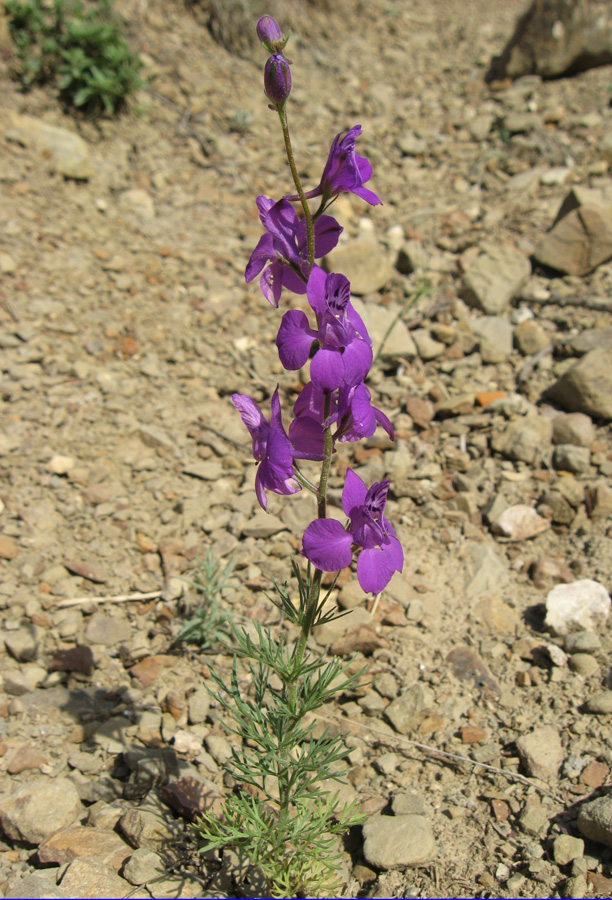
(277, 74)
(335, 405)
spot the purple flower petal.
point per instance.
(376, 567)
(282, 223)
(294, 339)
(353, 494)
(327, 545)
(253, 419)
(263, 252)
(357, 359)
(327, 233)
(358, 324)
(307, 437)
(264, 205)
(315, 289)
(292, 281)
(384, 422)
(367, 195)
(327, 369)
(271, 283)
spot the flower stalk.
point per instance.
(279, 817)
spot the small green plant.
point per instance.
(210, 624)
(286, 826)
(79, 48)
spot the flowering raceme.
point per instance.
(283, 249)
(329, 546)
(292, 842)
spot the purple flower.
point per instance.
(307, 432)
(283, 249)
(344, 355)
(344, 171)
(277, 79)
(271, 448)
(350, 409)
(357, 418)
(329, 546)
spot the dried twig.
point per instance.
(597, 305)
(531, 363)
(121, 598)
(435, 751)
(4, 303)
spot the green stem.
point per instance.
(315, 584)
(282, 114)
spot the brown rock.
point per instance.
(22, 758)
(88, 877)
(86, 570)
(541, 752)
(556, 37)
(472, 734)
(587, 386)
(79, 841)
(519, 523)
(421, 411)
(147, 670)
(547, 571)
(578, 243)
(501, 810)
(190, 797)
(595, 774)
(467, 666)
(599, 501)
(361, 639)
(8, 548)
(78, 659)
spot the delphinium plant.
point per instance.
(278, 816)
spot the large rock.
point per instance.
(146, 828)
(88, 877)
(68, 152)
(595, 820)
(409, 709)
(580, 606)
(494, 278)
(487, 572)
(578, 243)
(525, 439)
(390, 337)
(393, 841)
(38, 809)
(541, 752)
(35, 887)
(365, 263)
(587, 340)
(557, 37)
(587, 386)
(78, 841)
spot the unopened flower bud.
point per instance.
(269, 33)
(277, 79)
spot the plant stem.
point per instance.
(282, 114)
(315, 584)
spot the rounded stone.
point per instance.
(20, 813)
(582, 642)
(394, 841)
(595, 820)
(583, 664)
(600, 704)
